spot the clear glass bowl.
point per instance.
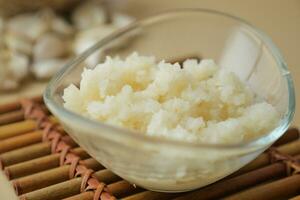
(174, 166)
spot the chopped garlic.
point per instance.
(199, 102)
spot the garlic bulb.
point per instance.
(42, 42)
(27, 40)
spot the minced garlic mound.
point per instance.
(199, 102)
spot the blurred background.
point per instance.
(279, 19)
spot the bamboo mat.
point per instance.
(44, 163)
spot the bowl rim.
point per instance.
(56, 108)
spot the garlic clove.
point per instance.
(28, 25)
(19, 65)
(59, 25)
(46, 68)
(87, 15)
(13, 68)
(18, 43)
(91, 14)
(50, 45)
(33, 25)
(89, 18)
(87, 38)
(121, 20)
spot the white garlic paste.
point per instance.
(199, 102)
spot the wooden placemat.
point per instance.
(44, 163)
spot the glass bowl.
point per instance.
(167, 165)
